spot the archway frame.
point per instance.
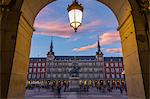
(16, 32)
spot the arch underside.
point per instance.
(17, 34)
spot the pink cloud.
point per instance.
(114, 50)
(61, 29)
(109, 38)
(105, 39)
(85, 48)
(53, 29)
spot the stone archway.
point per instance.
(16, 30)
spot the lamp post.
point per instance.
(75, 12)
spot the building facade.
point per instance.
(92, 68)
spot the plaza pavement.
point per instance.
(92, 94)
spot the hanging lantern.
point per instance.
(75, 12)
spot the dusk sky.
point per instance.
(98, 20)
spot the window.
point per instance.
(108, 75)
(90, 75)
(35, 64)
(116, 64)
(118, 76)
(117, 70)
(31, 64)
(34, 70)
(107, 70)
(59, 69)
(120, 64)
(39, 69)
(30, 70)
(64, 75)
(112, 64)
(48, 75)
(122, 76)
(112, 70)
(90, 64)
(96, 75)
(98, 63)
(95, 69)
(111, 59)
(43, 69)
(101, 76)
(90, 69)
(113, 76)
(121, 69)
(39, 64)
(119, 59)
(59, 75)
(33, 76)
(29, 76)
(54, 75)
(85, 69)
(100, 70)
(42, 75)
(38, 75)
(85, 75)
(107, 64)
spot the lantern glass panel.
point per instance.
(75, 17)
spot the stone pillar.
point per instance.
(15, 36)
(136, 54)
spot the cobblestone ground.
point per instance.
(92, 94)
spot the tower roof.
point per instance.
(51, 46)
(98, 46)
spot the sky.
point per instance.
(52, 22)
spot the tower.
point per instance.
(99, 53)
(51, 54)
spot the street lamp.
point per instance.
(75, 12)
